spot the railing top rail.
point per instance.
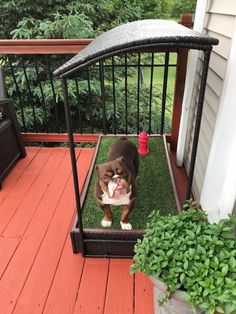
(43, 46)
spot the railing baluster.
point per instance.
(150, 95)
(48, 62)
(78, 103)
(114, 93)
(138, 92)
(126, 96)
(90, 99)
(30, 93)
(41, 91)
(17, 92)
(165, 80)
(101, 73)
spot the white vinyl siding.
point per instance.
(220, 22)
(226, 7)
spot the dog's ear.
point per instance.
(97, 167)
(120, 159)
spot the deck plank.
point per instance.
(29, 204)
(9, 182)
(92, 290)
(119, 298)
(64, 290)
(143, 295)
(42, 272)
(16, 274)
(14, 198)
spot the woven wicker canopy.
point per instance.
(134, 36)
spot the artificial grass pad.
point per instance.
(154, 188)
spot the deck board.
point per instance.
(17, 171)
(38, 272)
(120, 288)
(143, 294)
(18, 270)
(43, 271)
(34, 195)
(16, 195)
(92, 290)
(63, 293)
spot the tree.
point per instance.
(73, 19)
(55, 19)
(40, 19)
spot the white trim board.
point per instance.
(219, 188)
(188, 90)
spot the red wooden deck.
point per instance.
(38, 272)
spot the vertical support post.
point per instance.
(182, 56)
(41, 92)
(150, 93)
(114, 94)
(29, 93)
(90, 99)
(48, 64)
(138, 92)
(73, 163)
(77, 97)
(104, 120)
(18, 93)
(126, 95)
(207, 54)
(164, 89)
(178, 96)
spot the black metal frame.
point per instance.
(162, 43)
(113, 242)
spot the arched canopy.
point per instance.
(134, 36)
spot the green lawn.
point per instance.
(153, 186)
(158, 74)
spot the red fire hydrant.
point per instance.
(143, 143)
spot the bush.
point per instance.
(186, 252)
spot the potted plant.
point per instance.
(191, 262)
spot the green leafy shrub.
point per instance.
(41, 108)
(188, 253)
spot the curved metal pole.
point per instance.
(73, 162)
(207, 54)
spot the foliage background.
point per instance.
(80, 19)
(39, 103)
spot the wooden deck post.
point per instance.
(182, 57)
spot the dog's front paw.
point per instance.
(106, 223)
(125, 226)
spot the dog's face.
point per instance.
(114, 177)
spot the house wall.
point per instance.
(220, 22)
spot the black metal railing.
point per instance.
(124, 94)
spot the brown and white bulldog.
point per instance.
(115, 181)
